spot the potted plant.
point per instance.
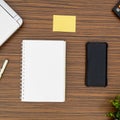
(116, 104)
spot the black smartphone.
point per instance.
(96, 64)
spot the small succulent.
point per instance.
(116, 104)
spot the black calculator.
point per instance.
(116, 9)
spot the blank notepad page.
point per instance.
(43, 71)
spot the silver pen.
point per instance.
(3, 68)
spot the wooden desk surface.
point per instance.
(95, 22)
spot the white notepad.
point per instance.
(43, 71)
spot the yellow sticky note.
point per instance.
(64, 23)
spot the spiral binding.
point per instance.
(22, 72)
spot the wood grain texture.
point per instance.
(95, 22)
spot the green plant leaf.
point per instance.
(110, 114)
(118, 114)
(116, 104)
